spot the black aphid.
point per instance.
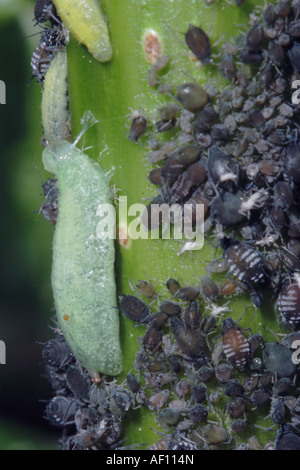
(192, 96)
(235, 344)
(60, 411)
(134, 309)
(288, 302)
(57, 353)
(199, 43)
(245, 263)
(190, 341)
(137, 128)
(45, 10)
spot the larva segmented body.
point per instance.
(235, 344)
(247, 266)
(55, 114)
(84, 19)
(83, 262)
(288, 301)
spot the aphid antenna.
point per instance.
(88, 120)
(133, 288)
(243, 28)
(239, 319)
(272, 333)
(184, 72)
(131, 446)
(271, 429)
(175, 35)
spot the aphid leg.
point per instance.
(88, 120)
(95, 377)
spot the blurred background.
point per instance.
(26, 304)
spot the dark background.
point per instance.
(25, 241)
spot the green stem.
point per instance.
(110, 90)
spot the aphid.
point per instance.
(235, 344)
(287, 439)
(188, 294)
(217, 266)
(57, 353)
(182, 388)
(158, 400)
(168, 417)
(152, 339)
(137, 128)
(282, 386)
(158, 319)
(134, 309)
(226, 209)
(284, 194)
(44, 10)
(222, 169)
(85, 439)
(249, 57)
(145, 288)
(83, 282)
(294, 56)
(228, 288)
(277, 410)
(291, 160)
(209, 288)
(108, 430)
(85, 20)
(55, 112)
(254, 37)
(192, 96)
(236, 407)
(198, 413)
(170, 308)
(205, 374)
(226, 66)
(288, 302)
(175, 364)
(155, 177)
(199, 43)
(161, 444)
(277, 359)
(60, 411)
(51, 41)
(260, 397)
(189, 341)
(214, 434)
(244, 263)
(253, 201)
(294, 226)
(256, 119)
(171, 169)
(180, 188)
(78, 383)
(239, 425)
(120, 402)
(161, 63)
(49, 208)
(192, 315)
(167, 116)
(234, 389)
(199, 393)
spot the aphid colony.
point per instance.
(236, 152)
(204, 380)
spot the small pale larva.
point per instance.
(84, 19)
(83, 278)
(55, 114)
